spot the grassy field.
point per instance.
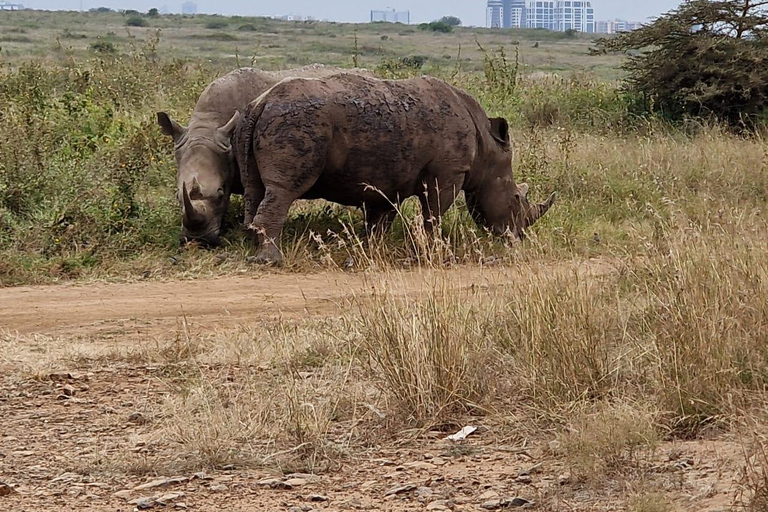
(272, 44)
(664, 341)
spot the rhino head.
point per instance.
(497, 201)
(205, 175)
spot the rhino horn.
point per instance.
(191, 216)
(225, 132)
(536, 212)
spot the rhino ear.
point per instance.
(500, 130)
(169, 126)
(225, 132)
(522, 189)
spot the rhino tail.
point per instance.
(243, 143)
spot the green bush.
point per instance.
(217, 24)
(705, 59)
(437, 26)
(85, 175)
(135, 21)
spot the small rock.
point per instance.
(68, 390)
(400, 489)
(514, 502)
(564, 479)
(488, 495)
(66, 477)
(23, 453)
(536, 468)
(138, 418)
(491, 504)
(143, 503)
(317, 497)
(438, 461)
(524, 479)
(5, 489)
(124, 494)
(349, 262)
(181, 506)
(424, 492)
(439, 505)
(274, 483)
(166, 498)
(220, 487)
(160, 482)
(420, 465)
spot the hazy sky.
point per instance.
(472, 12)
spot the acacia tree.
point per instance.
(705, 59)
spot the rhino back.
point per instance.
(380, 132)
(233, 91)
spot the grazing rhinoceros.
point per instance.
(206, 176)
(372, 143)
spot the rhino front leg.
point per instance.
(268, 223)
(379, 220)
(435, 201)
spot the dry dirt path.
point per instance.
(153, 308)
(64, 454)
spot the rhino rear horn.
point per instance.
(538, 211)
(225, 132)
(191, 216)
(169, 126)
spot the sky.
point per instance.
(471, 12)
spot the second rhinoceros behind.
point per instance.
(205, 175)
(372, 143)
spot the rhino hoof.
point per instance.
(268, 255)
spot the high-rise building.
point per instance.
(560, 15)
(391, 16)
(494, 14)
(616, 26)
(505, 14)
(575, 15)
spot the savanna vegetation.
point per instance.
(662, 194)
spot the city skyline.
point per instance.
(471, 13)
(557, 15)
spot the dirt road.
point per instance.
(151, 308)
(93, 433)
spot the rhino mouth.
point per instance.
(207, 241)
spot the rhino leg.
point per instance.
(379, 220)
(253, 196)
(268, 223)
(436, 200)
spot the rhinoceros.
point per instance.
(206, 176)
(372, 143)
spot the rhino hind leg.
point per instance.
(379, 220)
(268, 223)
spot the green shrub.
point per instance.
(437, 26)
(135, 21)
(706, 59)
(217, 24)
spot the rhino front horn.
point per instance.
(191, 216)
(538, 211)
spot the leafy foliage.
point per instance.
(450, 20)
(705, 59)
(437, 26)
(135, 21)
